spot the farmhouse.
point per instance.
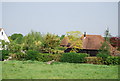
(91, 44)
(3, 36)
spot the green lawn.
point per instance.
(40, 70)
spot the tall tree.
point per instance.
(16, 38)
(32, 41)
(75, 40)
(50, 41)
(74, 35)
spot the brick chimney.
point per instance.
(84, 35)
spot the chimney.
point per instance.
(84, 34)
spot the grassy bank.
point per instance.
(40, 70)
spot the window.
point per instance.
(2, 33)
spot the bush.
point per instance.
(18, 56)
(103, 56)
(112, 60)
(4, 54)
(44, 57)
(94, 60)
(73, 57)
(32, 55)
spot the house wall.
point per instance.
(4, 37)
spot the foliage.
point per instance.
(14, 48)
(62, 37)
(32, 55)
(112, 60)
(50, 41)
(4, 44)
(15, 36)
(4, 54)
(74, 37)
(18, 56)
(94, 60)
(103, 56)
(73, 57)
(104, 49)
(61, 48)
(48, 57)
(32, 41)
(115, 42)
(78, 44)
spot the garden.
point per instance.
(40, 56)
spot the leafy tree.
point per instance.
(105, 48)
(75, 40)
(74, 35)
(15, 36)
(50, 41)
(62, 37)
(32, 41)
(4, 44)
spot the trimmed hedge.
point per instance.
(32, 55)
(73, 57)
(48, 57)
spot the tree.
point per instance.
(16, 38)
(62, 37)
(74, 35)
(115, 42)
(75, 40)
(50, 41)
(105, 48)
(32, 41)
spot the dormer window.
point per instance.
(2, 33)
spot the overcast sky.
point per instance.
(58, 17)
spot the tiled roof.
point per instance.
(65, 41)
(89, 42)
(1, 29)
(92, 41)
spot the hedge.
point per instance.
(73, 57)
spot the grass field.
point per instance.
(40, 70)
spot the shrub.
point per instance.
(103, 56)
(94, 60)
(112, 60)
(48, 57)
(19, 56)
(4, 54)
(32, 55)
(73, 57)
